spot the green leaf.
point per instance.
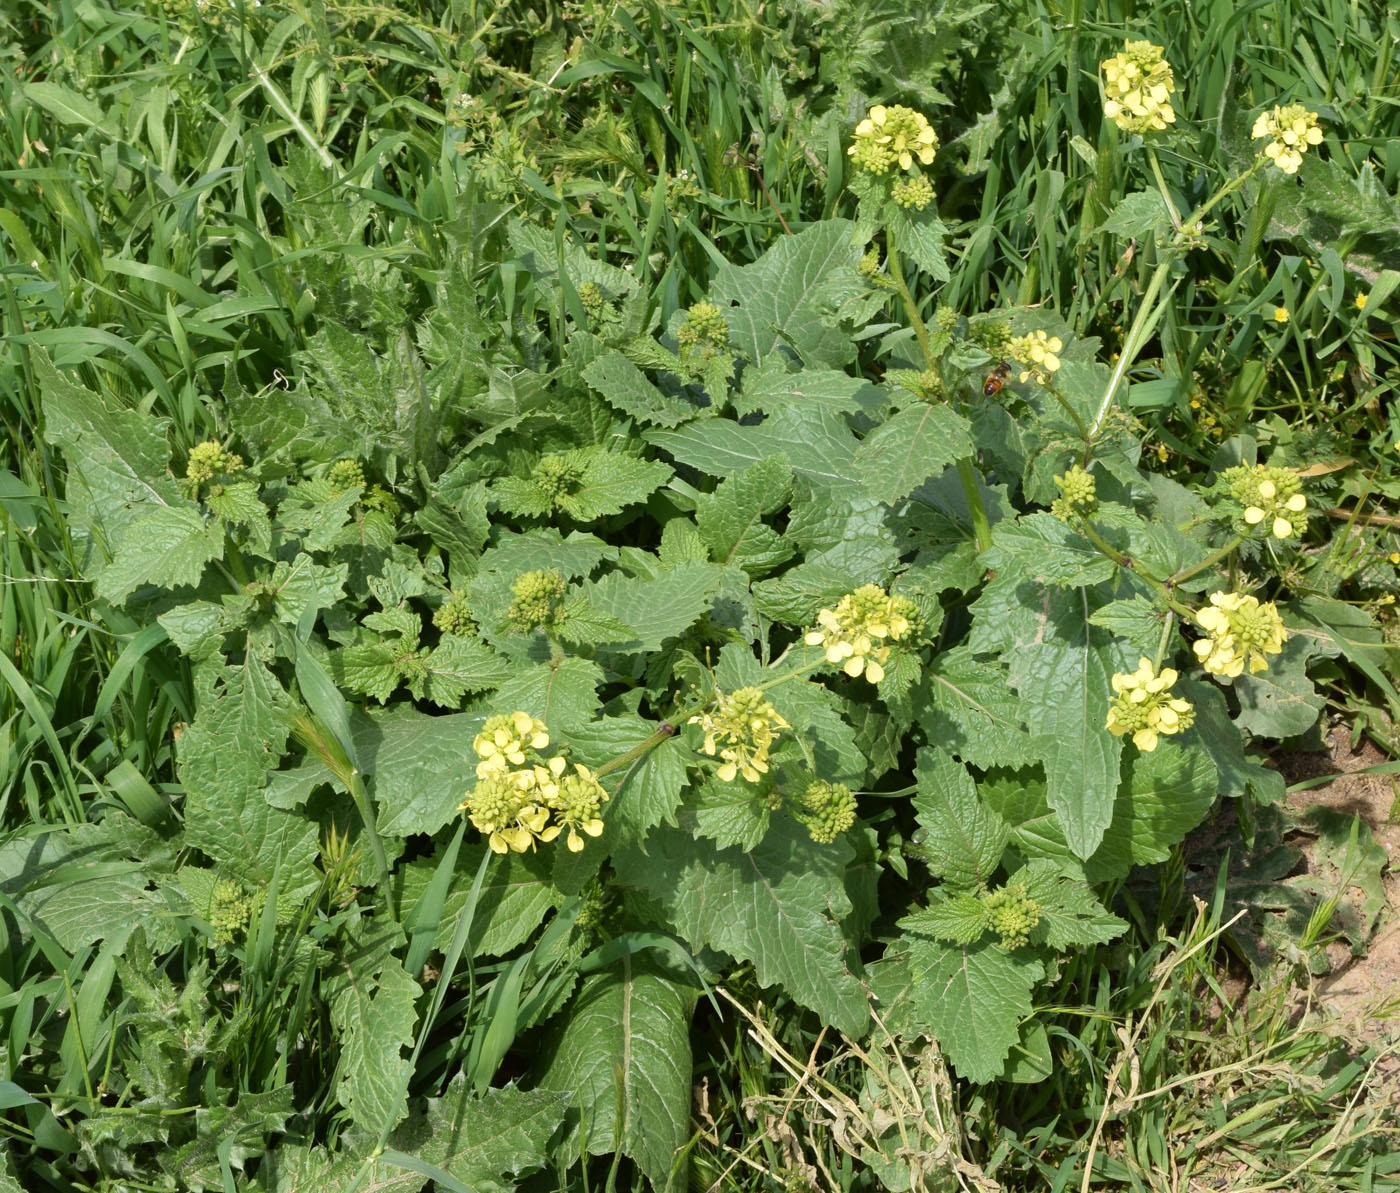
(778, 296)
(961, 839)
(118, 459)
(818, 444)
(420, 766)
(730, 519)
(237, 736)
(168, 546)
(610, 482)
(563, 696)
(374, 1016)
(969, 710)
(622, 1056)
(801, 592)
(1239, 772)
(1036, 832)
(547, 550)
(371, 669)
(456, 666)
(1065, 693)
(915, 444)
(960, 919)
(1136, 620)
(626, 387)
(772, 387)
(1141, 216)
(1165, 795)
(63, 103)
(515, 899)
(479, 1139)
(919, 236)
(657, 609)
(648, 791)
(971, 998)
(779, 906)
(583, 625)
(728, 814)
(84, 910)
(1041, 547)
(1280, 701)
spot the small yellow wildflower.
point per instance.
(1361, 300)
(741, 727)
(893, 135)
(1292, 128)
(503, 739)
(508, 814)
(1138, 85)
(577, 801)
(853, 634)
(1394, 557)
(1281, 314)
(1040, 352)
(1144, 706)
(1241, 631)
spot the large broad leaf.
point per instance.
(1281, 701)
(375, 1016)
(915, 444)
(1041, 547)
(622, 1057)
(730, 519)
(514, 900)
(626, 387)
(968, 709)
(168, 546)
(118, 459)
(562, 695)
(817, 443)
(970, 998)
(961, 838)
(777, 297)
(1165, 795)
(1065, 692)
(237, 737)
(779, 906)
(658, 608)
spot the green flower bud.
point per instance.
(828, 810)
(1014, 914)
(1078, 496)
(538, 601)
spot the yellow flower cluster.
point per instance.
(1078, 494)
(1291, 129)
(854, 633)
(1039, 352)
(1138, 85)
(741, 727)
(520, 799)
(1241, 631)
(1270, 496)
(1144, 706)
(893, 135)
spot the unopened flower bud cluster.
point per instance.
(1078, 494)
(1013, 914)
(828, 810)
(703, 333)
(522, 797)
(537, 600)
(208, 460)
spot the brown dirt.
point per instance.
(1362, 992)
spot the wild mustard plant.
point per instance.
(854, 633)
(1138, 86)
(742, 727)
(1240, 632)
(1271, 499)
(1144, 706)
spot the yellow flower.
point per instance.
(1039, 351)
(741, 728)
(1292, 128)
(1361, 300)
(890, 135)
(503, 740)
(1144, 706)
(853, 634)
(507, 813)
(1241, 631)
(1138, 85)
(577, 802)
(1280, 314)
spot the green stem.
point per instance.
(1208, 561)
(1128, 566)
(967, 471)
(1162, 186)
(1167, 627)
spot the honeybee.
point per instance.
(996, 379)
